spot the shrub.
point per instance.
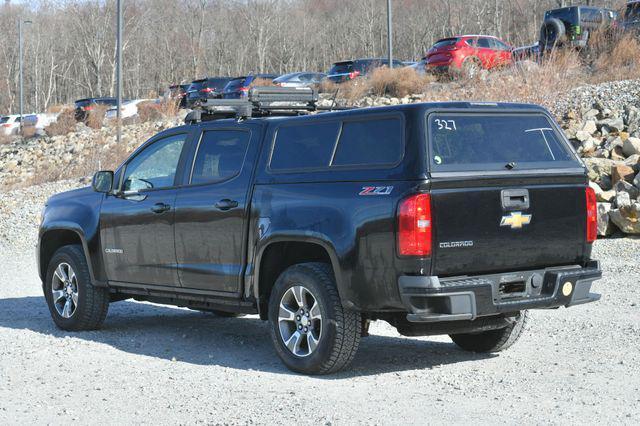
(397, 82)
(149, 111)
(65, 123)
(95, 117)
(621, 62)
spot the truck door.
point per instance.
(213, 207)
(137, 226)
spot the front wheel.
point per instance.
(75, 304)
(493, 340)
(311, 331)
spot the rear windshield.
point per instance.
(341, 68)
(196, 85)
(445, 43)
(4, 120)
(472, 142)
(567, 14)
(216, 84)
(234, 84)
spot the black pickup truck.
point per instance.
(442, 218)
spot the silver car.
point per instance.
(299, 79)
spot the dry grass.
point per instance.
(58, 108)
(4, 139)
(65, 124)
(149, 111)
(260, 82)
(95, 117)
(398, 82)
(621, 62)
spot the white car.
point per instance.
(9, 125)
(129, 109)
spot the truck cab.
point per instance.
(445, 218)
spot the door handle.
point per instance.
(160, 208)
(226, 204)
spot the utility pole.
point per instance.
(389, 34)
(119, 73)
(20, 60)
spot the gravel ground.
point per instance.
(163, 365)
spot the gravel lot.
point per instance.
(154, 364)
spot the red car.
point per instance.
(468, 54)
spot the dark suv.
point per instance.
(443, 218)
(208, 88)
(572, 26)
(238, 88)
(631, 18)
(348, 70)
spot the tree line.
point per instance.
(69, 49)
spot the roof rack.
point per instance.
(262, 101)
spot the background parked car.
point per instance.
(129, 109)
(83, 106)
(527, 53)
(238, 87)
(348, 70)
(468, 54)
(300, 79)
(208, 88)
(631, 16)
(420, 67)
(572, 26)
(9, 124)
(179, 92)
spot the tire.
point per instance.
(493, 340)
(470, 68)
(552, 32)
(336, 334)
(88, 305)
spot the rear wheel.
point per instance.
(75, 304)
(311, 331)
(493, 340)
(471, 68)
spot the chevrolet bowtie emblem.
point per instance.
(516, 220)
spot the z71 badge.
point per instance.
(376, 190)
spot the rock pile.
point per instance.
(608, 139)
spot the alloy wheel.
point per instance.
(300, 321)
(64, 290)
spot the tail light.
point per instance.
(244, 89)
(415, 226)
(6, 125)
(206, 90)
(88, 108)
(353, 74)
(592, 216)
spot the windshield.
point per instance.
(468, 142)
(341, 68)
(445, 43)
(633, 12)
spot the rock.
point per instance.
(583, 136)
(626, 218)
(605, 227)
(599, 168)
(624, 186)
(612, 124)
(636, 181)
(631, 146)
(622, 199)
(622, 172)
(590, 127)
(606, 196)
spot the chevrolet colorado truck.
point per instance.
(439, 218)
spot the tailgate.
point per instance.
(508, 193)
(507, 227)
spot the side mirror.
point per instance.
(102, 181)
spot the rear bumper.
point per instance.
(431, 299)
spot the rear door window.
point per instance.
(304, 146)
(220, 155)
(370, 142)
(471, 142)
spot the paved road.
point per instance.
(161, 365)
